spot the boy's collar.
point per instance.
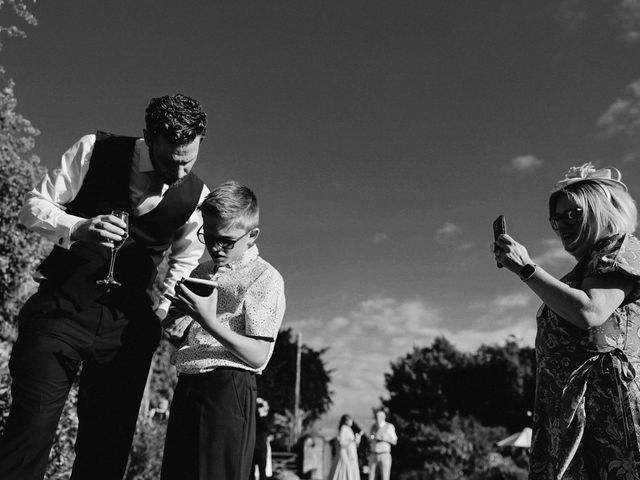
(249, 255)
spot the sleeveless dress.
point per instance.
(345, 464)
(586, 422)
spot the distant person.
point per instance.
(161, 411)
(312, 460)
(587, 401)
(262, 450)
(382, 436)
(345, 463)
(112, 331)
(230, 338)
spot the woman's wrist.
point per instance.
(527, 271)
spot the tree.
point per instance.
(277, 382)
(422, 384)
(20, 251)
(503, 384)
(451, 407)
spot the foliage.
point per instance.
(503, 384)
(145, 461)
(20, 250)
(277, 383)
(21, 11)
(163, 375)
(5, 382)
(450, 408)
(424, 386)
(148, 442)
(505, 471)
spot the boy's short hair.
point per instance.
(176, 118)
(234, 204)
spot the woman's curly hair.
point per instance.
(177, 118)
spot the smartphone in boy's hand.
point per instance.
(499, 227)
(199, 286)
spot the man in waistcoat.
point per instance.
(107, 333)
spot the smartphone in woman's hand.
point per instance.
(499, 227)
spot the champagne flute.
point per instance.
(115, 246)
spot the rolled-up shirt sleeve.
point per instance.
(264, 306)
(184, 255)
(43, 211)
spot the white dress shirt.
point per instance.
(44, 210)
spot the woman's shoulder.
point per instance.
(619, 253)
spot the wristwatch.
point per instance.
(527, 271)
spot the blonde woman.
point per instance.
(587, 402)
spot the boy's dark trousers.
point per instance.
(114, 346)
(211, 431)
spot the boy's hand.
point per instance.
(201, 309)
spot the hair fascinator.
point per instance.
(588, 172)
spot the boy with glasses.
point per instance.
(211, 430)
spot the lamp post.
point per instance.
(297, 425)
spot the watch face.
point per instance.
(527, 271)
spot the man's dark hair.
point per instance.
(177, 118)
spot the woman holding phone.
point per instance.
(586, 423)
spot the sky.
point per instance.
(381, 138)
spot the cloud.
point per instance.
(512, 300)
(572, 14)
(364, 340)
(622, 120)
(503, 303)
(523, 329)
(450, 234)
(623, 115)
(380, 238)
(525, 163)
(619, 18)
(447, 233)
(553, 253)
(468, 245)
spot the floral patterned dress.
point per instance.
(586, 423)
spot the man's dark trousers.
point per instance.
(114, 347)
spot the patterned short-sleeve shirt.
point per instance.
(251, 302)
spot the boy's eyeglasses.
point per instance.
(220, 242)
(569, 217)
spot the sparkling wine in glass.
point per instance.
(115, 246)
